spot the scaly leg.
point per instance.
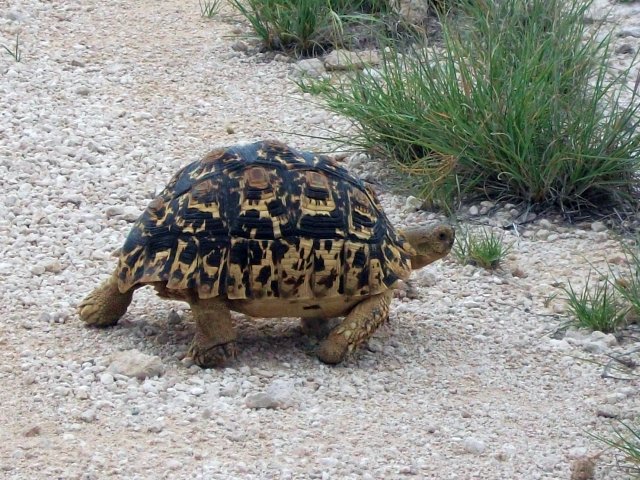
(356, 328)
(215, 340)
(105, 305)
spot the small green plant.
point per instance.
(520, 103)
(597, 306)
(314, 86)
(627, 442)
(627, 283)
(15, 52)
(210, 8)
(485, 249)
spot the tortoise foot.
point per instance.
(105, 305)
(333, 349)
(213, 357)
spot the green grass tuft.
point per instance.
(519, 104)
(627, 283)
(596, 307)
(307, 27)
(484, 249)
(210, 8)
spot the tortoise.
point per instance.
(267, 231)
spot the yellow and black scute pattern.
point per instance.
(264, 221)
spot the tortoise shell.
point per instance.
(264, 221)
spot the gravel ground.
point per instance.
(465, 382)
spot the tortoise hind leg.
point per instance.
(356, 328)
(215, 340)
(105, 305)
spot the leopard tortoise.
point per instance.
(267, 231)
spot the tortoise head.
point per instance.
(430, 243)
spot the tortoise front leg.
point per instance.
(356, 328)
(214, 342)
(105, 305)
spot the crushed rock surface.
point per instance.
(466, 381)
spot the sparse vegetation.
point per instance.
(484, 249)
(307, 27)
(598, 306)
(313, 86)
(627, 442)
(15, 51)
(519, 104)
(210, 8)
(627, 283)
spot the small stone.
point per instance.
(506, 452)
(229, 390)
(130, 214)
(53, 266)
(82, 392)
(239, 46)
(88, 415)
(561, 345)
(630, 32)
(139, 116)
(174, 318)
(196, 391)
(583, 468)
(136, 364)
(229, 129)
(173, 464)
(114, 211)
(279, 394)
(106, 378)
(408, 470)
(542, 234)
(473, 210)
(77, 63)
(83, 90)
(546, 224)
(374, 345)
(412, 204)
(37, 269)
(598, 227)
(260, 400)
(282, 58)
(617, 260)
(473, 445)
(608, 411)
(237, 436)
(593, 347)
(310, 67)
(345, 60)
(519, 272)
(33, 431)
(610, 340)
(156, 427)
(625, 49)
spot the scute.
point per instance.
(264, 221)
